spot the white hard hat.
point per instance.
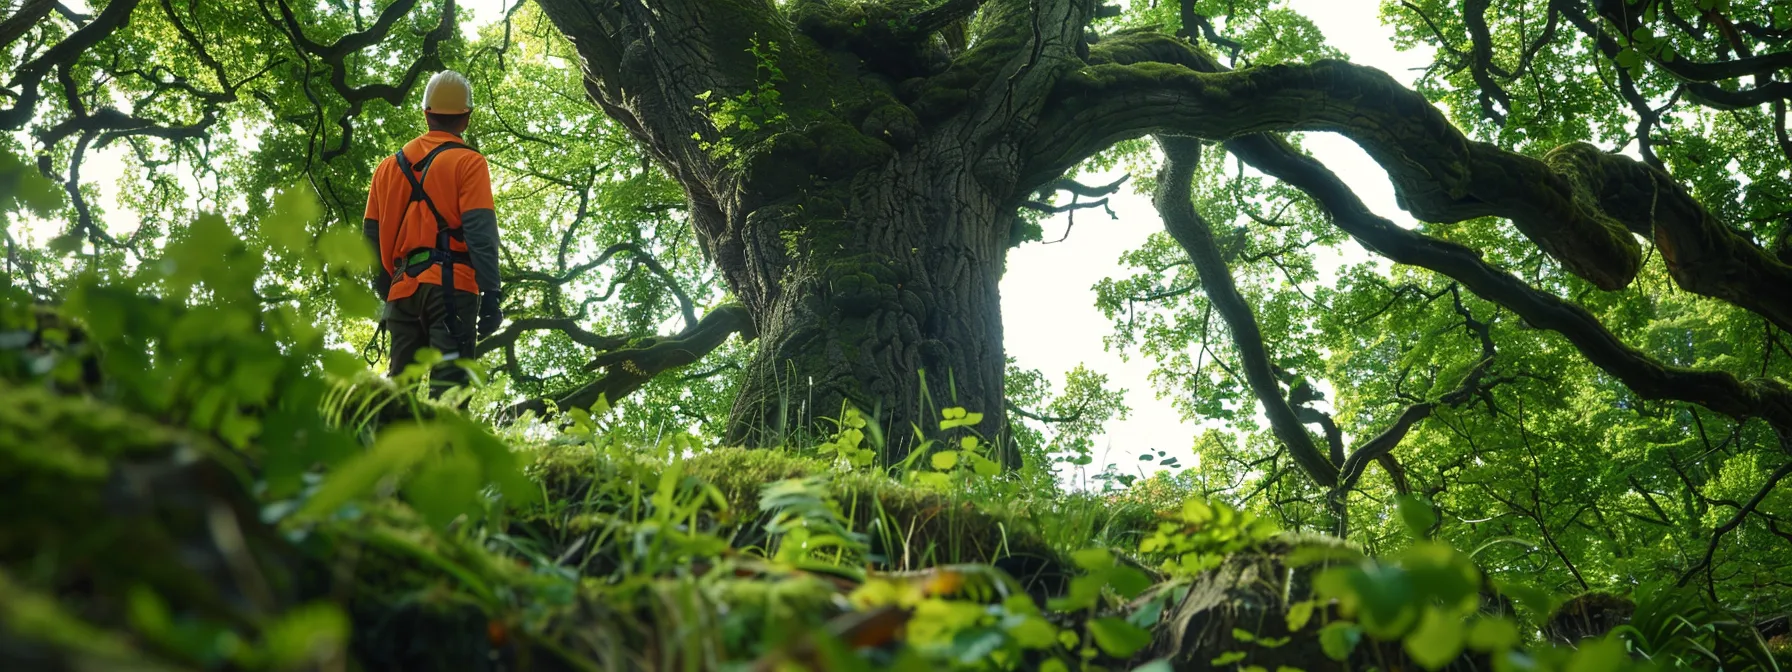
(448, 92)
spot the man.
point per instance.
(429, 211)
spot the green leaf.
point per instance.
(346, 251)
(1083, 593)
(983, 466)
(1117, 637)
(1093, 559)
(1416, 514)
(1034, 632)
(1227, 658)
(1538, 601)
(497, 464)
(1298, 615)
(1490, 635)
(1148, 614)
(1339, 639)
(945, 459)
(446, 488)
(397, 450)
(1628, 57)
(1128, 581)
(306, 636)
(1437, 640)
(1439, 572)
(1243, 635)
(1605, 654)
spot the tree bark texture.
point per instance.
(863, 214)
(853, 169)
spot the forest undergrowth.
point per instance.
(194, 478)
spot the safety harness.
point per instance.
(418, 260)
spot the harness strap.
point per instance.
(443, 254)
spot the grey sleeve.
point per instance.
(481, 228)
(382, 280)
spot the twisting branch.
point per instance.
(336, 54)
(1286, 416)
(1077, 191)
(1191, 21)
(1700, 79)
(929, 21)
(1651, 379)
(1579, 205)
(628, 368)
(1480, 62)
(516, 328)
(1174, 201)
(30, 75)
(1717, 536)
(1472, 384)
(685, 306)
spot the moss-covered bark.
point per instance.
(862, 211)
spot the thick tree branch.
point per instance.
(23, 19)
(627, 369)
(29, 76)
(1578, 204)
(1717, 390)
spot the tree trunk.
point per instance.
(887, 302)
(854, 179)
(853, 168)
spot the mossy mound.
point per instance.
(908, 528)
(115, 522)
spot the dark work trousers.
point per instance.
(421, 321)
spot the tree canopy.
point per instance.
(781, 224)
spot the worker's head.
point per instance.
(448, 102)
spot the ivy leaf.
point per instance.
(1128, 581)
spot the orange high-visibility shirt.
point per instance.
(459, 181)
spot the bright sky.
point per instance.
(1048, 298)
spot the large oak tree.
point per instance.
(856, 172)
(855, 169)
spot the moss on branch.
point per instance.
(1578, 204)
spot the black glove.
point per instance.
(490, 313)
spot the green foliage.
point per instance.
(746, 114)
(203, 321)
(1202, 534)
